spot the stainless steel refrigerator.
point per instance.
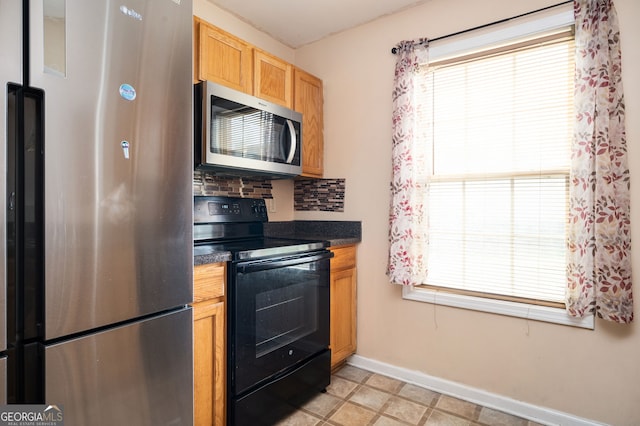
(96, 259)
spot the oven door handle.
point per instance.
(264, 264)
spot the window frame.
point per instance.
(457, 47)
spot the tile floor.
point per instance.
(358, 397)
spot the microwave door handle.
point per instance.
(294, 142)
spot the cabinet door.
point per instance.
(272, 79)
(224, 58)
(308, 100)
(208, 363)
(343, 315)
(208, 281)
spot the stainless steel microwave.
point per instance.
(240, 135)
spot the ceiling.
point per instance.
(299, 22)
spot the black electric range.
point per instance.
(277, 310)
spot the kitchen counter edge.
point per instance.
(336, 233)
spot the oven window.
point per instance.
(279, 316)
(285, 315)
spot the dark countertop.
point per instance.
(336, 232)
(220, 256)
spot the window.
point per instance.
(499, 125)
(498, 122)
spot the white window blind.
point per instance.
(499, 125)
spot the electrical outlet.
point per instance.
(271, 205)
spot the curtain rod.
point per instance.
(394, 50)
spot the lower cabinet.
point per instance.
(209, 346)
(343, 304)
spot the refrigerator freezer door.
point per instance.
(139, 374)
(118, 160)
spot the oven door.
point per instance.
(279, 316)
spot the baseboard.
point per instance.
(542, 415)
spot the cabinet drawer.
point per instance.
(208, 281)
(344, 257)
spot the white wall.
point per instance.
(591, 374)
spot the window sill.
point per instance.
(501, 307)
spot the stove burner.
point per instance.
(235, 225)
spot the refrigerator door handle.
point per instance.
(25, 242)
(31, 202)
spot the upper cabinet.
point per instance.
(308, 101)
(223, 58)
(232, 62)
(272, 79)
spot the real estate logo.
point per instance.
(31, 415)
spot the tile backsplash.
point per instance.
(325, 195)
(308, 194)
(205, 183)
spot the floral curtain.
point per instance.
(599, 243)
(411, 168)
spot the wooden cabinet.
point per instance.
(222, 58)
(272, 79)
(308, 100)
(343, 304)
(232, 62)
(209, 344)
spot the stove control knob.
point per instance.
(258, 210)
